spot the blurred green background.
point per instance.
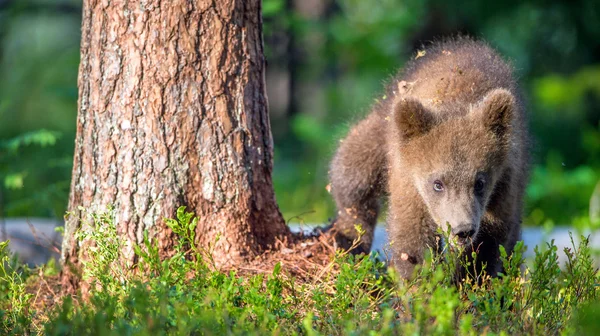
(327, 60)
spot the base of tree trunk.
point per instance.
(307, 258)
(301, 255)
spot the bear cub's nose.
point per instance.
(463, 232)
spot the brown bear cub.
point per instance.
(448, 145)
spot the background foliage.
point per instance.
(327, 60)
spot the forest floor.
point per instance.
(306, 287)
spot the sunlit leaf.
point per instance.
(41, 138)
(14, 181)
(272, 7)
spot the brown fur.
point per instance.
(454, 116)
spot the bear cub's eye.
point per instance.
(479, 184)
(438, 185)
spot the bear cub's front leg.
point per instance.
(358, 180)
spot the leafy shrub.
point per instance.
(354, 295)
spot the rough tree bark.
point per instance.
(173, 111)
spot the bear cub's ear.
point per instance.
(412, 119)
(497, 110)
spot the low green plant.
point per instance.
(15, 316)
(353, 295)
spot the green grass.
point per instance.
(186, 295)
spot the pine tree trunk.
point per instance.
(173, 111)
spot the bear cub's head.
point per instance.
(455, 156)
